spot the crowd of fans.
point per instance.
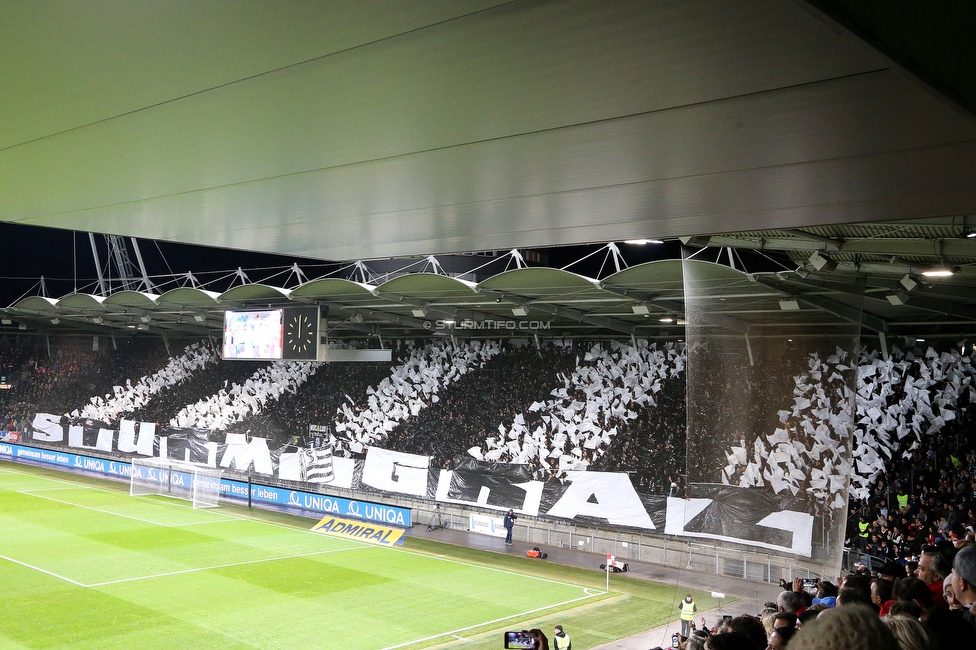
(468, 413)
(128, 398)
(71, 373)
(208, 379)
(926, 605)
(255, 394)
(652, 448)
(614, 408)
(932, 499)
(411, 387)
(733, 396)
(316, 403)
(609, 386)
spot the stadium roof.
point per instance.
(361, 131)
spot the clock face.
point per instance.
(300, 336)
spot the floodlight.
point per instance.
(822, 262)
(900, 298)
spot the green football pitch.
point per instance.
(84, 565)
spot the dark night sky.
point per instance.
(64, 259)
(61, 256)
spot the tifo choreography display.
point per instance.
(581, 431)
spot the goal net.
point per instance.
(196, 483)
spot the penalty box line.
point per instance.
(221, 566)
(493, 622)
(220, 517)
(172, 573)
(40, 570)
(225, 516)
(31, 493)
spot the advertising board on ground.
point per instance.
(229, 488)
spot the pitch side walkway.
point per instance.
(751, 595)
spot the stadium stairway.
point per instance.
(749, 595)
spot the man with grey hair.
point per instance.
(964, 580)
(932, 570)
(789, 602)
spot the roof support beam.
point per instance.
(575, 314)
(826, 243)
(842, 311)
(676, 306)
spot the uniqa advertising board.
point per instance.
(281, 497)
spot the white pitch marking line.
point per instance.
(484, 623)
(224, 517)
(36, 568)
(217, 566)
(172, 504)
(489, 568)
(63, 489)
(105, 512)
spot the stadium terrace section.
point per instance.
(599, 439)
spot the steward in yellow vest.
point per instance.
(688, 609)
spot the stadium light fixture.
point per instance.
(419, 312)
(939, 272)
(900, 298)
(822, 262)
(641, 310)
(145, 319)
(199, 318)
(520, 311)
(789, 305)
(908, 282)
(642, 242)
(98, 320)
(55, 321)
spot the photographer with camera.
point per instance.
(509, 525)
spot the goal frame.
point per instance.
(199, 484)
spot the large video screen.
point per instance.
(252, 334)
